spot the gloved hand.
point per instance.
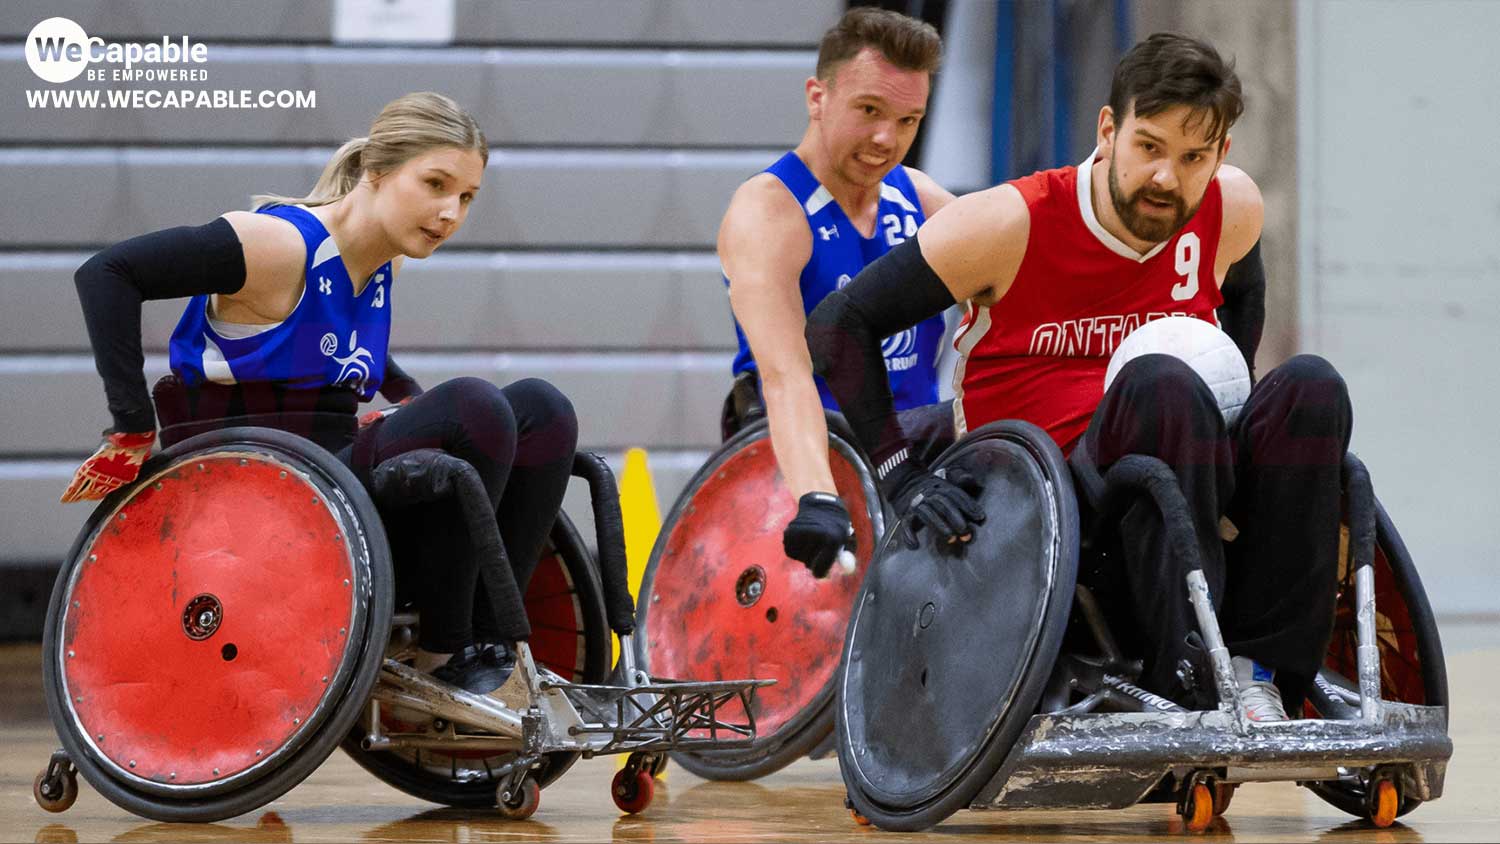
(819, 533)
(945, 501)
(115, 464)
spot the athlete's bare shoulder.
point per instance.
(976, 243)
(274, 258)
(763, 231)
(1244, 213)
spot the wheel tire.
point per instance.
(1399, 573)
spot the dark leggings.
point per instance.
(1276, 475)
(521, 439)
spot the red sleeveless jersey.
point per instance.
(1040, 353)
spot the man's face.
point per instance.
(867, 116)
(1159, 168)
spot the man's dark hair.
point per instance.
(1168, 70)
(905, 42)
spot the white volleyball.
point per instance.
(1199, 344)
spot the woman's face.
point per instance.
(424, 201)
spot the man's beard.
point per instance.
(1149, 229)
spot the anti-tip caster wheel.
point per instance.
(632, 789)
(57, 792)
(1383, 800)
(1197, 807)
(522, 803)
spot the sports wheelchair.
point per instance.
(955, 693)
(224, 623)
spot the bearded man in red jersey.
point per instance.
(1056, 268)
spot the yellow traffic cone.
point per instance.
(642, 519)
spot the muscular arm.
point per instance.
(971, 250)
(764, 243)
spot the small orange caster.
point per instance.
(1384, 801)
(1197, 808)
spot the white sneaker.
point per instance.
(1258, 694)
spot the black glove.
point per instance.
(945, 501)
(819, 532)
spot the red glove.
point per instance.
(114, 465)
(373, 416)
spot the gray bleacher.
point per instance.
(618, 130)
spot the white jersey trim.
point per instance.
(327, 251)
(819, 199)
(891, 193)
(215, 367)
(978, 327)
(1086, 208)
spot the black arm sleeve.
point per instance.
(169, 264)
(845, 330)
(1243, 314)
(398, 385)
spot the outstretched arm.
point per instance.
(764, 243)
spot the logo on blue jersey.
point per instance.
(356, 365)
(828, 232)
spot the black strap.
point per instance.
(169, 264)
(844, 333)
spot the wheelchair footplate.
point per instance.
(537, 713)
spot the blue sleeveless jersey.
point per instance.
(331, 338)
(839, 253)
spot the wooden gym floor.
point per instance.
(803, 803)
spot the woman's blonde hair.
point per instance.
(407, 127)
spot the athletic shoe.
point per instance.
(480, 669)
(1258, 693)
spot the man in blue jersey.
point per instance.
(806, 226)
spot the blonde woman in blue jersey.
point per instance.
(288, 327)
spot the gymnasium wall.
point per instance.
(619, 129)
(1397, 112)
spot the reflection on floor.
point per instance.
(803, 803)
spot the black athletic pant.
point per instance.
(521, 439)
(1277, 477)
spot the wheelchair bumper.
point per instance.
(1112, 761)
